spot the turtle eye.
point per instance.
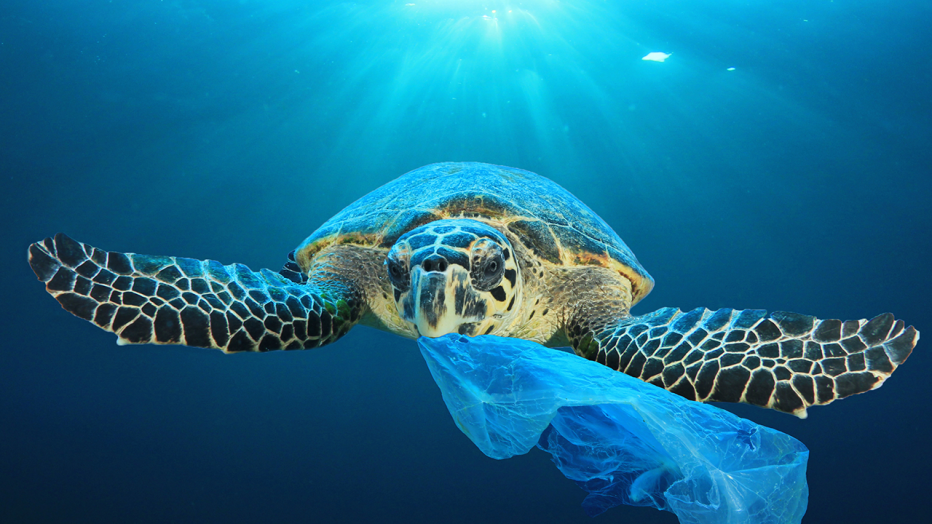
(398, 273)
(487, 270)
(491, 268)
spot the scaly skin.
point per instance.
(783, 361)
(172, 300)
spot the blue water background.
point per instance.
(800, 180)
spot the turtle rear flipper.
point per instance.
(172, 300)
(784, 361)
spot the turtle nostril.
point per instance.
(435, 263)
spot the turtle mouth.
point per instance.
(444, 302)
(431, 304)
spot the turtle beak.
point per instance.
(431, 298)
(442, 302)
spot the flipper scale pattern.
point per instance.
(172, 300)
(779, 360)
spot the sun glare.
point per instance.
(531, 78)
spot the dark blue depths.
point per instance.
(796, 182)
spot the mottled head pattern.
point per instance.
(457, 275)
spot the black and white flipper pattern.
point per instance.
(783, 361)
(172, 300)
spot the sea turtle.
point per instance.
(475, 249)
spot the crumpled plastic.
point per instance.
(620, 439)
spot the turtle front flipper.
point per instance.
(171, 300)
(784, 361)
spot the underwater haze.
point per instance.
(779, 158)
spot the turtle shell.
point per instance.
(553, 223)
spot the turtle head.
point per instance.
(454, 276)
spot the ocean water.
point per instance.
(778, 159)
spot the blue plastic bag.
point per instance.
(622, 440)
